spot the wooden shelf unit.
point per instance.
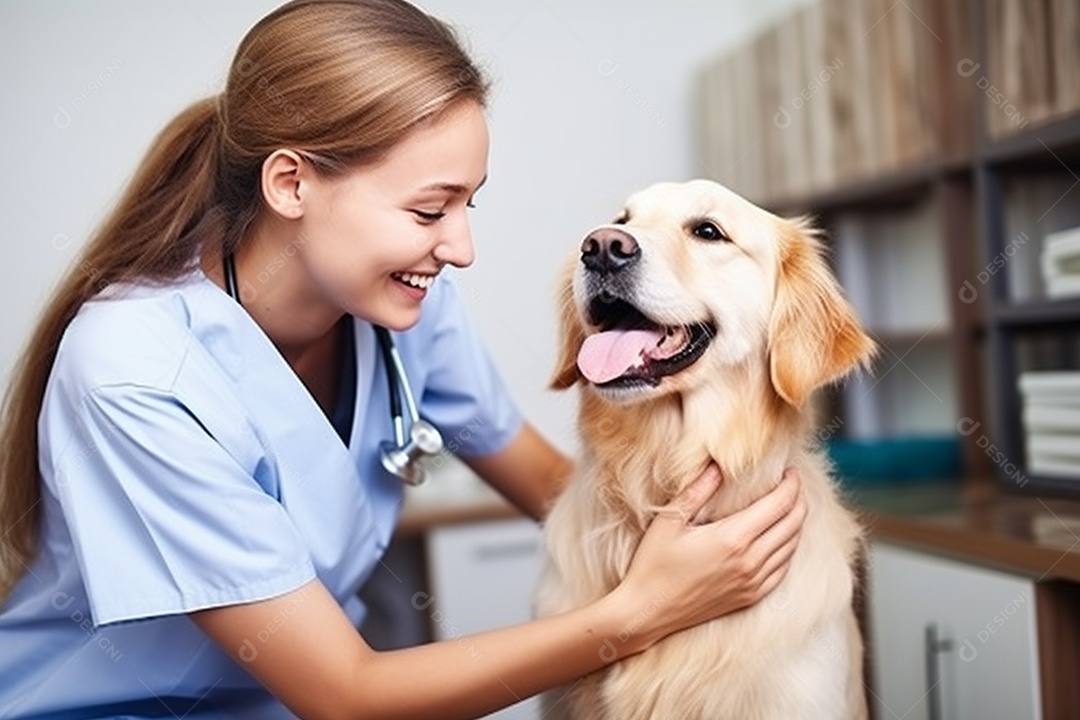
(1052, 146)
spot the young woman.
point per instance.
(192, 488)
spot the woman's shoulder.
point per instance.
(131, 334)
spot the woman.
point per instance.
(191, 486)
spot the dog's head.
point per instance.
(689, 280)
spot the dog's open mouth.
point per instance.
(631, 349)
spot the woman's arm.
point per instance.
(529, 472)
(302, 647)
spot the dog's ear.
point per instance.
(571, 333)
(814, 336)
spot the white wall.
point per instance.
(593, 100)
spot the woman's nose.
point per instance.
(456, 248)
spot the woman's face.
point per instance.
(374, 239)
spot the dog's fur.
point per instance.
(782, 329)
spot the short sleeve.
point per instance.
(162, 517)
(464, 395)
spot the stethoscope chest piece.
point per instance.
(402, 456)
(403, 459)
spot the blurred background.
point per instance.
(937, 142)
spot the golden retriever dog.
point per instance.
(698, 327)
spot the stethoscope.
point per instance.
(402, 456)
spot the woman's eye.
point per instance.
(470, 203)
(429, 217)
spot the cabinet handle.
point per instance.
(933, 647)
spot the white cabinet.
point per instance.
(484, 576)
(950, 640)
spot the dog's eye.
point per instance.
(708, 231)
(622, 219)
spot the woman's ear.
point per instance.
(571, 333)
(814, 336)
(280, 179)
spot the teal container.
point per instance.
(896, 459)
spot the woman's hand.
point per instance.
(687, 573)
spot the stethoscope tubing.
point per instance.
(397, 381)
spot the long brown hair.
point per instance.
(340, 80)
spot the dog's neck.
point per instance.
(748, 430)
(644, 454)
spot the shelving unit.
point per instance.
(958, 293)
(1007, 167)
(1030, 322)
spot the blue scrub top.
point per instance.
(185, 466)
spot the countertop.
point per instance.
(975, 521)
(421, 516)
(451, 496)
(980, 522)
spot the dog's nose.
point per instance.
(609, 250)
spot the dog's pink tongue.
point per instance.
(607, 355)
